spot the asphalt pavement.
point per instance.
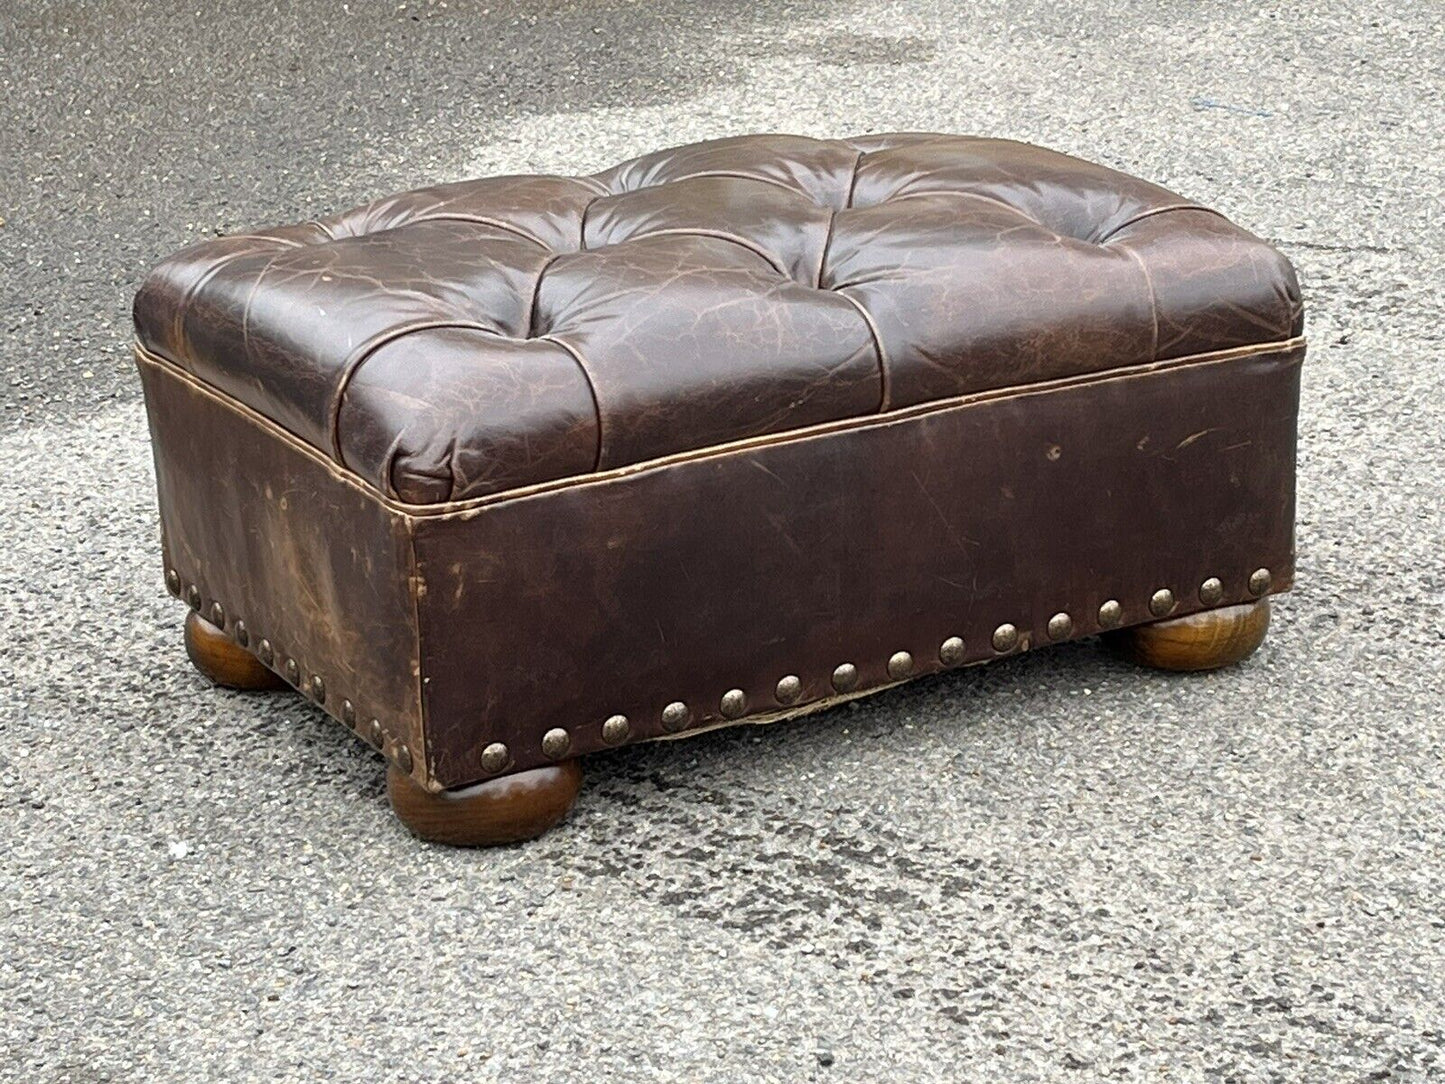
(1054, 868)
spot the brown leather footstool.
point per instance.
(505, 472)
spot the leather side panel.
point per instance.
(312, 564)
(682, 581)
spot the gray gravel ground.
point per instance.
(1056, 868)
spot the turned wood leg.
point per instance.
(1201, 641)
(222, 660)
(505, 810)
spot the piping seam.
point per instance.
(1158, 211)
(853, 181)
(479, 220)
(718, 235)
(868, 421)
(591, 388)
(1153, 299)
(537, 292)
(884, 388)
(183, 306)
(955, 193)
(727, 173)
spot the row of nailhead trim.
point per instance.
(557, 742)
(371, 732)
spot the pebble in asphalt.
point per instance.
(1055, 868)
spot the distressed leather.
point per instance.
(448, 629)
(471, 338)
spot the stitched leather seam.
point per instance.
(250, 300)
(729, 173)
(477, 505)
(591, 388)
(537, 293)
(972, 195)
(183, 306)
(592, 181)
(1158, 211)
(853, 181)
(827, 244)
(1153, 299)
(480, 220)
(286, 241)
(883, 384)
(833, 221)
(928, 138)
(473, 505)
(364, 351)
(719, 235)
(582, 223)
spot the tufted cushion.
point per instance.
(475, 337)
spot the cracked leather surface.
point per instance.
(471, 338)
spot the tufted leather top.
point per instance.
(476, 337)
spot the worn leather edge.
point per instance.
(415, 587)
(144, 356)
(295, 570)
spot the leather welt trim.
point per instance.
(1122, 226)
(1288, 350)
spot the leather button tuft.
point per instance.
(792, 271)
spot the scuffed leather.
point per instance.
(321, 570)
(471, 338)
(625, 592)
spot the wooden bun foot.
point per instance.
(505, 810)
(222, 660)
(1202, 641)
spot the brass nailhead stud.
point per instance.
(293, 672)
(1161, 602)
(264, 652)
(1005, 637)
(950, 652)
(348, 713)
(1211, 591)
(1259, 581)
(1060, 625)
(790, 689)
(734, 703)
(318, 688)
(1110, 614)
(375, 734)
(495, 757)
(845, 677)
(242, 636)
(403, 758)
(173, 582)
(674, 716)
(218, 615)
(616, 729)
(900, 665)
(555, 743)
(193, 597)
